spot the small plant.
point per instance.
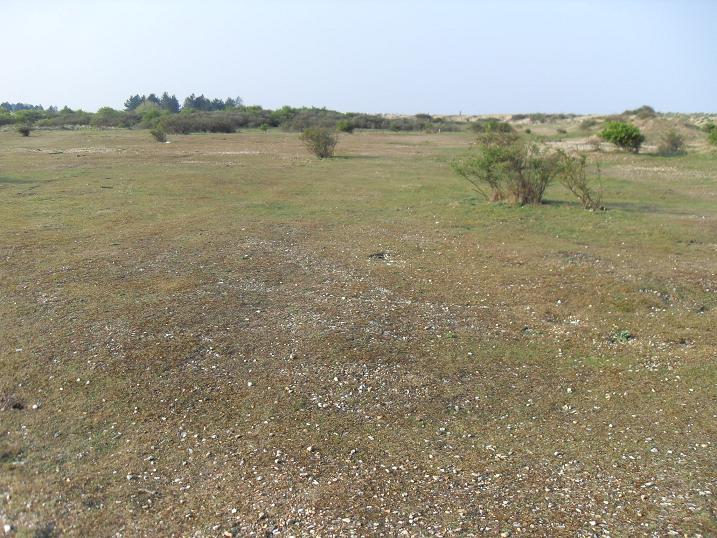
(321, 142)
(24, 130)
(573, 174)
(624, 135)
(588, 123)
(159, 135)
(671, 143)
(528, 131)
(562, 131)
(623, 336)
(264, 127)
(345, 126)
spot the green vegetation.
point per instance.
(24, 130)
(320, 142)
(572, 171)
(671, 143)
(186, 329)
(512, 170)
(159, 135)
(624, 135)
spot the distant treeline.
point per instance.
(202, 114)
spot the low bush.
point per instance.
(159, 135)
(671, 143)
(198, 122)
(572, 172)
(588, 123)
(321, 142)
(624, 135)
(345, 126)
(712, 137)
(644, 112)
(516, 172)
(24, 130)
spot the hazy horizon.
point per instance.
(366, 56)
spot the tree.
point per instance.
(169, 103)
(133, 102)
(624, 135)
(320, 142)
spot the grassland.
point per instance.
(223, 336)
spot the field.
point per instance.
(222, 336)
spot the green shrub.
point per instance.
(562, 131)
(197, 122)
(712, 137)
(264, 127)
(491, 126)
(321, 142)
(345, 126)
(572, 173)
(588, 123)
(516, 172)
(159, 135)
(24, 130)
(644, 112)
(671, 143)
(624, 135)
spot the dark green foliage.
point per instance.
(517, 172)
(321, 142)
(644, 112)
(109, 117)
(133, 102)
(345, 126)
(562, 131)
(491, 126)
(16, 107)
(671, 143)
(24, 129)
(712, 137)
(169, 103)
(624, 135)
(197, 122)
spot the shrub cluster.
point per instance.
(624, 135)
(572, 172)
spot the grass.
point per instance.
(189, 318)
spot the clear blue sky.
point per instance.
(401, 56)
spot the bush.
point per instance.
(712, 137)
(671, 143)
(624, 135)
(345, 126)
(562, 131)
(644, 112)
(320, 142)
(516, 172)
(588, 123)
(572, 173)
(264, 127)
(491, 126)
(159, 135)
(24, 130)
(196, 122)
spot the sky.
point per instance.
(437, 57)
